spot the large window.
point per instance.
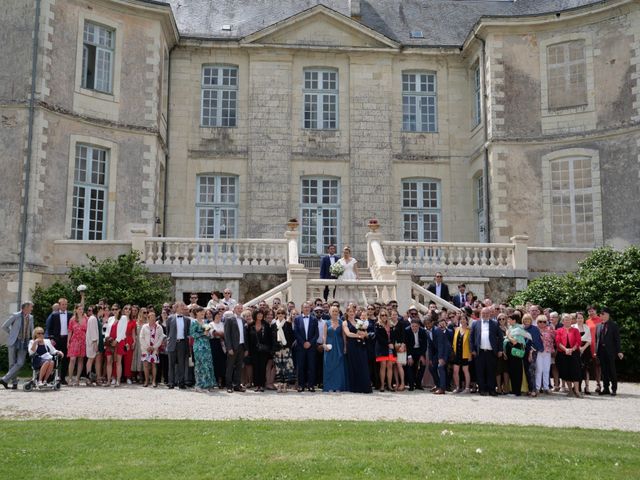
(421, 210)
(477, 96)
(320, 205)
(219, 96)
(566, 74)
(97, 57)
(480, 214)
(419, 110)
(320, 99)
(217, 206)
(572, 203)
(90, 189)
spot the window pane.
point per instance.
(410, 227)
(103, 70)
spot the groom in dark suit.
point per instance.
(305, 330)
(439, 288)
(325, 269)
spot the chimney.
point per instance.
(354, 9)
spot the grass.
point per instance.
(155, 449)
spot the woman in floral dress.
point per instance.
(150, 340)
(205, 379)
(283, 339)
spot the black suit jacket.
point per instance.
(495, 336)
(444, 291)
(325, 266)
(54, 326)
(456, 299)
(423, 341)
(609, 343)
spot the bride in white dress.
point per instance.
(345, 295)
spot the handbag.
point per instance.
(517, 352)
(401, 358)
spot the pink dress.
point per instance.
(76, 346)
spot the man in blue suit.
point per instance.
(305, 330)
(486, 347)
(325, 269)
(416, 340)
(443, 347)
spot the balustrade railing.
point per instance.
(362, 292)
(219, 252)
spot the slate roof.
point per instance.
(443, 22)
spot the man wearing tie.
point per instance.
(59, 332)
(486, 347)
(608, 349)
(325, 269)
(235, 341)
(439, 288)
(305, 330)
(19, 326)
(178, 326)
(416, 340)
(461, 297)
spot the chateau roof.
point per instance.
(442, 22)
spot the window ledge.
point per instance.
(555, 112)
(213, 128)
(108, 97)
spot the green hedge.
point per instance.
(606, 278)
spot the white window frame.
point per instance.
(315, 98)
(91, 188)
(477, 96)
(319, 208)
(480, 200)
(224, 93)
(103, 46)
(218, 205)
(596, 193)
(564, 70)
(420, 210)
(419, 88)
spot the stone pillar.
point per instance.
(403, 290)
(298, 288)
(138, 236)
(292, 237)
(521, 260)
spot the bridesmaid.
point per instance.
(203, 370)
(76, 343)
(334, 370)
(357, 354)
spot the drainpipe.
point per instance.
(27, 166)
(166, 156)
(485, 173)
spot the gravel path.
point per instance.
(135, 402)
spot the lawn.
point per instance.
(83, 449)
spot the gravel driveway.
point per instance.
(135, 402)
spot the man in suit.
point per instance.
(608, 348)
(55, 308)
(19, 326)
(235, 341)
(486, 347)
(59, 332)
(325, 269)
(439, 288)
(416, 340)
(178, 325)
(305, 330)
(461, 297)
(442, 344)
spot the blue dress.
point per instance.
(357, 364)
(334, 369)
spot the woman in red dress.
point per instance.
(76, 347)
(119, 335)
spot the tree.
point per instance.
(607, 277)
(124, 279)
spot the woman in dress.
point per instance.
(333, 366)
(42, 351)
(136, 361)
(94, 343)
(398, 327)
(150, 340)
(385, 350)
(218, 352)
(259, 348)
(131, 340)
(110, 343)
(543, 360)
(348, 294)
(357, 355)
(119, 332)
(462, 355)
(283, 339)
(585, 349)
(76, 343)
(568, 355)
(530, 358)
(516, 339)
(163, 370)
(502, 370)
(203, 360)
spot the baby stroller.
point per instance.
(51, 383)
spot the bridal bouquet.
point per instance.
(362, 325)
(336, 269)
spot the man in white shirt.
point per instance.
(58, 333)
(486, 347)
(235, 338)
(178, 346)
(439, 288)
(227, 300)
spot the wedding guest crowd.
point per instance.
(481, 348)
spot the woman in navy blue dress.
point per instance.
(334, 369)
(357, 355)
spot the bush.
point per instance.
(4, 358)
(123, 280)
(606, 278)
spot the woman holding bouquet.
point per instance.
(334, 369)
(205, 380)
(357, 355)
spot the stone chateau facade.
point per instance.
(448, 121)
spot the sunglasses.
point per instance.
(382, 316)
